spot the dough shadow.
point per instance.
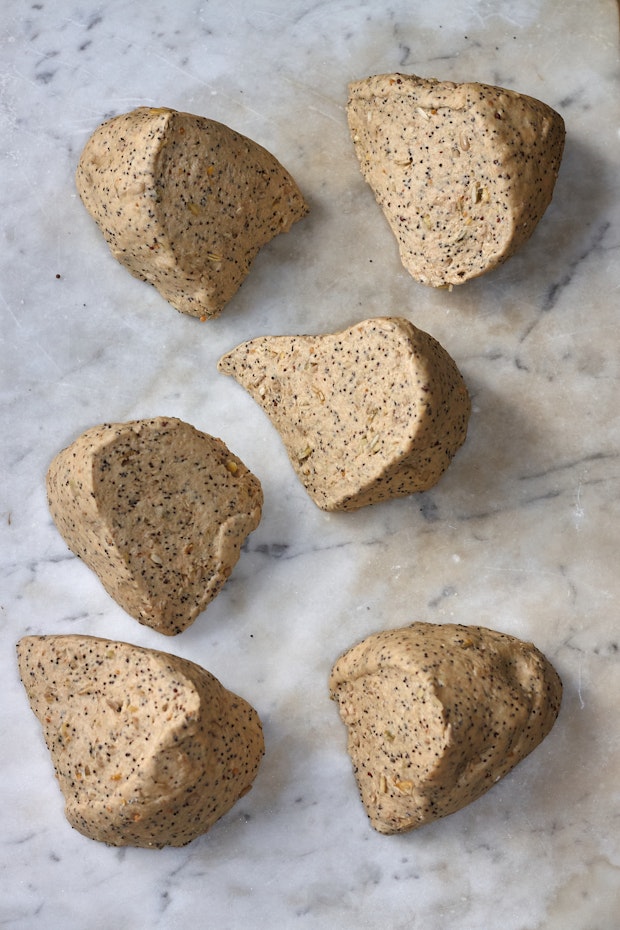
(486, 476)
(566, 234)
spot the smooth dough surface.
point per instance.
(159, 510)
(436, 714)
(367, 414)
(149, 749)
(185, 202)
(462, 172)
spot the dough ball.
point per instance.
(158, 510)
(149, 749)
(462, 172)
(374, 412)
(185, 202)
(437, 714)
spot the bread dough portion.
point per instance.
(185, 202)
(158, 510)
(149, 749)
(374, 412)
(462, 172)
(437, 714)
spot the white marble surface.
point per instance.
(521, 534)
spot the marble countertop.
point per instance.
(521, 534)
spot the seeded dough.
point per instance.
(158, 510)
(374, 412)
(463, 172)
(185, 202)
(149, 749)
(437, 714)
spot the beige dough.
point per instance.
(158, 510)
(374, 412)
(185, 202)
(149, 749)
(437, 714)
(462, 172)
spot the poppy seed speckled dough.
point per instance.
(158, 510)
(185, 202)
(462, 172)
(149, 749)
(437, 714)
(374, 412)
